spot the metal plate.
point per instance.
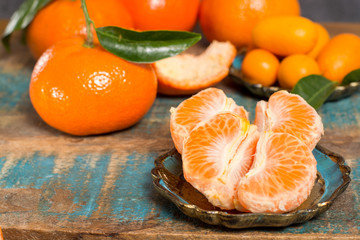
(333, 178)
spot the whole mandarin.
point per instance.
(260, 67)
(323, 39)
(295, 67)
(285, 35)
(340, 56)
(163, 14)
(61, 19)
(87, 91)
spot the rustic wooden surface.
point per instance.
(55, 186)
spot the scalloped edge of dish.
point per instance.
(249, 220)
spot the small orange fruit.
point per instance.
(340, 56)
(196, 110)
(295, 67)
(86, 91)
(285, 35)
(233, 20)
(187, 73)
(289, 113)
(62, 19)
(260, 67)
(281, 177)
(163, 14)
(323, 39)
(216, 156)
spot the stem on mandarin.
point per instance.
(89, 42)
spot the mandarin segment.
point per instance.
(198, 109)
(187, 73)
(217, 155)
(282, 175)
(290, 113)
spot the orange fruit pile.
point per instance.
(302, 47)
(263, 167)
(86, 91)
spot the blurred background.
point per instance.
(316, 10)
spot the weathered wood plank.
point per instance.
(55, 186)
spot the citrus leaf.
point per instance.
(315, 89)
(353, 76)
(145, 47)
(21, 18)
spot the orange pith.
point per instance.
(86, 91)
(217, 155)
(187, 73)
(289, 113)
(62, 19)
(282, 175)
(197, 109)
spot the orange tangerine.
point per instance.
(323, 39)
(62, 19)
(260, 67)
(285, 35)
(340, 56)
(98, 93)
(295, 67)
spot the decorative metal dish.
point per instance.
(332, 179)
(262, 91)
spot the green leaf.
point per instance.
(145, 47)
(22, 18)
(353, 76)
(315, 89)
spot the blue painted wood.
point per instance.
(53, 184)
